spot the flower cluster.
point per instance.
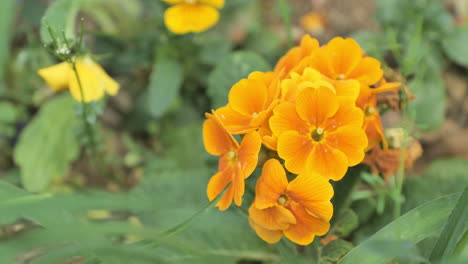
(316, 112)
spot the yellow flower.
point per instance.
(191, 15)
(94, 80)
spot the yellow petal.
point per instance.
(270, 185)
(110, 85)
(91, 82)
(56, 76)
(185, 18)
(213, 3)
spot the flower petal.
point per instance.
(368, 71)
(351, 140)
(185, 18)
(92, 84)
(248, 97)
(306, 227)
(213, 3)
(248, 152)
(270, 236)
(110, 85)
(327, 161)
(316, 105)
(347, 115)
(271, 184)
(314, 193)
(347, 88)
(295, 149)
(56, 76)
(344, 55)
(235, 122)
(285, 119)
(272, 218)
(216, 139)
(217, 184)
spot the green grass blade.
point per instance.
(453, 231)
(414, 226)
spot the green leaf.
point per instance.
(455, 45)
(60, 18)
(335, 249)
(455, 227)
(347, 222)
(165, 82)
(413, 227)
(7, 12)
(231, 70)
(48, 144)
(428, 109)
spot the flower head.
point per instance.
(299, 210)
(319, 133)
(236, 163)
(94, 81)
(192, 15)
(297, 54)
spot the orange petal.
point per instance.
(314, 193)
(248, 97)
(295, 149)
(316, 105)
(217, 184)
(248, 152)
(368, 71)
(238, 185)
(270, 236)
(351, 140)
(285, 119)
(306, 227)
(235, 122)
(347, 115)
(272, 218)
(327, 161)
(216, 139)
(344, 55)
(347, 88)
(185, 18)
(270, 185)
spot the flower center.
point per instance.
(255, 114)
(341, 77)
(317, 134)
(369, 111)
(191, 1)
(283, 199)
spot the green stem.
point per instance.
(91, 143)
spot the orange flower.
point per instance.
(236, 163)
(191, 15)
(313, 22)
(367, 101)
(296, 54)
(299, 210)
(343, 59)
(250, 102)
(319, 133)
